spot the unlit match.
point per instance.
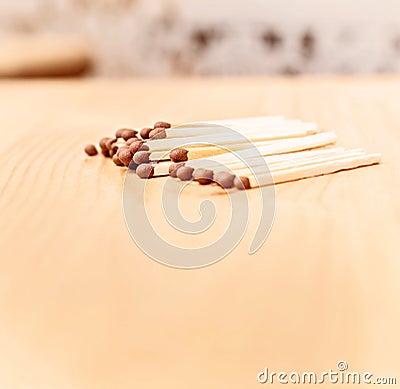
(263, 151)
(191, 137)
(315, 169)
(297, 168)
(248, 150)
(272, 128)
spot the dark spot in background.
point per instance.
(167, 21)
(344, 68)
(346, 35)
(22, 25)
(272, 39)
(290, 71)
(104, 5)
(83, 4)
(384, 68)
(307, 45)
(169, 16)
(182, 62)
(396, 44)
(125, 3)
(203, 37)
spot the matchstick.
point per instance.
(274, 147)
(271, 128)
(223, 139)
(286, 158)
(260, 168)
(275, 161)
(251, 120)
(264, 148)
(344, 161)
(315, 169)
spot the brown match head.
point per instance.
(162, 124)
(173, 168)
(145, 170)
(109, 143)
(122, 148)
(135, 146)
(113, 150)
(224, 179)
(106, 153)
(141, 157)
(145, 132)
(91, 150)
(179, 155)
(157, 133)
(203, 176)
(185, 173)
(125, 156)
(144, 147)
(117, 161)
(103, 142)
(241, 182)
(128, 133)
(118, 133)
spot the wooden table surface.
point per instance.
(82, 307)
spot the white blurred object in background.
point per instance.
(169, 37)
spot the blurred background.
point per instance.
(197, 37)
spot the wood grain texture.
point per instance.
(82, 307)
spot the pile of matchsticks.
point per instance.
(287, 150)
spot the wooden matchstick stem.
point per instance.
(300, 170)
(249, 120)
(274, 158)
(289, 157)
(224, 139)
(272, 128)
(244, 170)
(278, 161)
(278, 147)
(265, 148)
(316, 169)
